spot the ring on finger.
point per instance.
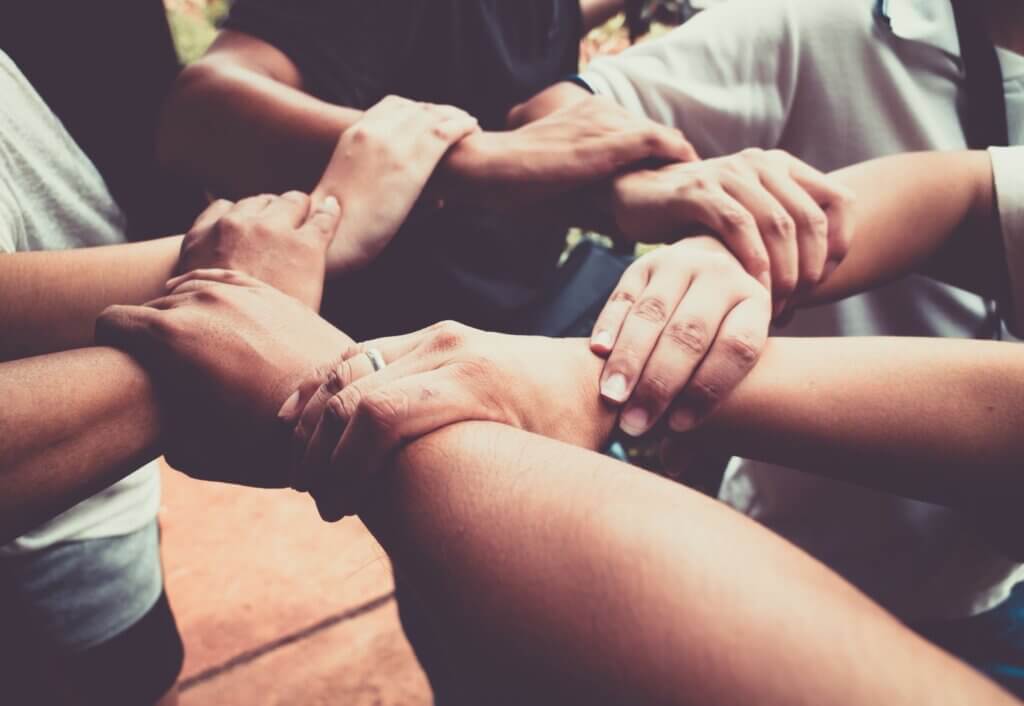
(376, 359)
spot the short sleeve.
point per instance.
(348, 51)
(726, 78)
(12, 236)
(1008, 177)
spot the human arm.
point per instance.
(74, 422)
(612, 586)
(211, 131)
(933, 420)
(49, 301)
(71, 424)
(673, 342)
(239, 122)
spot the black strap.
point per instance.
(986, 103)
(986, 127)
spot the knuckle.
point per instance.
(742, 347)
(343, 406)
(703, 394)
(651, 309)
(447, 336)
(752, 154)
(655, 387)
(815, 221)
(384, 409)
(758, 263)
(782, 226)
(231, 222)
(695, 183)
(784, 283)
(623, 296)
(736, 219)
(476, 368)
(692, 336)
(652, 139)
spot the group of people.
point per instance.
(835, 186)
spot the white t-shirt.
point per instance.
(836, 82)
(52, 198)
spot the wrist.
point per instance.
(459, 178)
(591, 418)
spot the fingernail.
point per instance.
(614, 387)
(635, 421)
(289, 411)
(173, 282)
(602, 340)
(330, 205)
(682, 420)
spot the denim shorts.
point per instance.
(76, 595)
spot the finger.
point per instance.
(323, 218)
(777, 231)
(627, 292)
(172, 301)
(456, 128)
(837, 201)
(640, 333)
(683, 344)
(736, 227)
(378, 422)
(310, 435)
(670, 145)
(732, 356)
(252, 205)
(212, 276)
(135, 329)
(811, 228)
(211, 214)
(287, 211)
(352, 370)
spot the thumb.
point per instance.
(323, 219)
(131, 328)
(672, 145)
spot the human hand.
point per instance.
(276, 239)
(225, 351)
(786, 222)
(683, 327)
(439, 376)
(379, 170)
(583, 143)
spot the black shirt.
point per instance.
(484, 56)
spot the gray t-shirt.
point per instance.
(52, 198)
(836, 82)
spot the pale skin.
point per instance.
(50, 301)
(240, 121)
(959, 188)
(476, 516)
(496, 573)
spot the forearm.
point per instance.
(49, 301)
(907, 208)
(241, 132)
(574, 579)
(934, 420)
(71, 424)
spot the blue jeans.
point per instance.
(992, 642)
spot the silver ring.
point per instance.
(376, 359)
